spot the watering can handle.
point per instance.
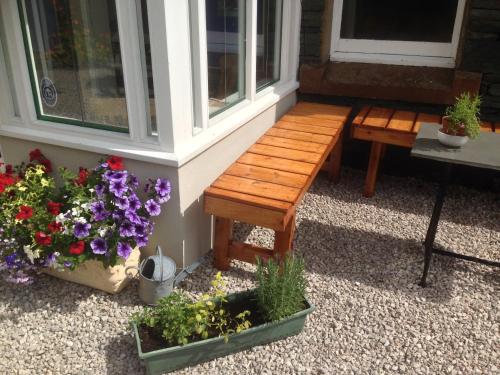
(129, 268)
(159, 252)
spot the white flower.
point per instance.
(91, 190)
(102, 231)
(29, 253)
(61, 218)
(81, 220)
(86, 206)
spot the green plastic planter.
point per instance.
(173, 358)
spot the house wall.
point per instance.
(481, 51)
(183, 230)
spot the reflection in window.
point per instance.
(4, 52)
(268, 41)
(226, 53)
(76, 62)
(147, 65)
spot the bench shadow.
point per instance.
(379, 261)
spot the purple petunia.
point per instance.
(122, 203)
(81, 230)
(133, 181)
(141, 230)
(134, 203)
(118, 188)
(133, 217)
(99, 210)
(11, 260)
(152, 207)
(123, 249)
(127, 229)
(118, 176)
(163, 187)
(141, 241)
(68, 263)
(118, 215)
(99, 246)
(99, 190)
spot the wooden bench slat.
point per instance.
(250, 199)
(358, 120)
(312, 121)
(425, 118)
(258, 188)
(292, 144)
(277, 163)
(313, 129)
(268, 175)
(402, 121)
(224, 208)
(486, 126)
(378, 117)
(320, 108)
(284, 153)
(299, 136)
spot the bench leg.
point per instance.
(373, 164)
(335, 161)
(283, 240)
(222, 239)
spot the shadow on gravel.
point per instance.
(54, 295)
(414, 196)
(377, 260)
(122, 357)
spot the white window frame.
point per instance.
(180, 75)
(394, 52)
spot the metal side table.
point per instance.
(483, 152)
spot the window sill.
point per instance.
(120, 144)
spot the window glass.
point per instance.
(226, 53)
(418, 21)
(76, 65)
(147, 65)
(269, 14)
(4, 53)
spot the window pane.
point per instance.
(77, 68)
(226, 53)
(419, 21)
(5, 54)
(268, 41)
(147, 65)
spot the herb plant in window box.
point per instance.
(461, 121)
(180, 332)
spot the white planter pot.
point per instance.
(92, 273)
(452, 140)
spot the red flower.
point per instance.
(6, 180)
(115, 163)
(54, 208)
(54, 227)
(43, 239)
(25, 212)
(76, 248)
(83, 174)
(9, 170)
(36, 154)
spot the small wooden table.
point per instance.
(483, 152)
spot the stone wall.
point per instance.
(481, 51)
(310, 33)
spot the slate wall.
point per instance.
(310, 32)
(481, 51)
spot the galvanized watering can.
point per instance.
(156, 276)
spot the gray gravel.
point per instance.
(364, 258)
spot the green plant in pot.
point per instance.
(461, 122)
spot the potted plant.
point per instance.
(102, 223)
(461, 121)
(180, 332)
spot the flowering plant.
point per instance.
(96, 214)
(26, 217)
(102, 215)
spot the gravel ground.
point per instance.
(364, 258)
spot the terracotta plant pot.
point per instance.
(93, 274)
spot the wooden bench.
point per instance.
(266, 184)
(387, 126)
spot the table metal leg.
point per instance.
(433, 225)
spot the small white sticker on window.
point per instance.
(48, 92)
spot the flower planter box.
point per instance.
(93, 274)
(173, 358)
